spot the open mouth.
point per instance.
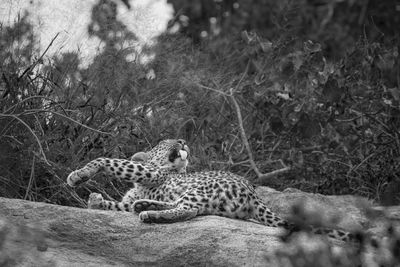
(181, 153)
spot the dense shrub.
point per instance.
(333, 118)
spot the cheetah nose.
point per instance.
(183, 154)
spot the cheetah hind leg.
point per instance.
(148, 204)
(168, 216)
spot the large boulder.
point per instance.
(42, 234)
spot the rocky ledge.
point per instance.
(40, 234)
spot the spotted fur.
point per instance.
(164, 193)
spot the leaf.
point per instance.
(260, 78)
(332, 92)
(266, 46)
(312, 47)
(308, 127)
(395, 93)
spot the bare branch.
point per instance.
(243, 134)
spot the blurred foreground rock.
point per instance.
(39, 234)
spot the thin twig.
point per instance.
(29, 98)
(30, 111)
(212, 89)
(39, 59)
(32, 176)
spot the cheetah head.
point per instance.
(170, 152)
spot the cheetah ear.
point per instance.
(140, 156)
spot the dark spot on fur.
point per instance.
(131, 166)
(234, 193)
(129, 170)
(235, 207)
(228, 195)
(115, 164)
(204, 200)
(215, 186)
(118, 173)
(121, 169)
(140, 167)
(193, 199)
(148, 175)
(138, 174)
(112, 169)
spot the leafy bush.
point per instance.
(332, 118)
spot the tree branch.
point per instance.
(260, 176)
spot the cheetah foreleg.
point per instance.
(168, 216)
(119, 168)
(148, 204)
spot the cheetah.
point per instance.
(164, 192)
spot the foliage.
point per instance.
(325, 103)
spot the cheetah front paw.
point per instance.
(75, 179)
(142, 205)
(95, 201)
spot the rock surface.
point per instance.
(50, 235)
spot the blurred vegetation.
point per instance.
(317, 83)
